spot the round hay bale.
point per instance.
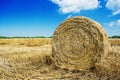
(78, 43)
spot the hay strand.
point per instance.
(78, 43)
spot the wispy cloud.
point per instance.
(75, 6)
(113, 27)
(116, 12)
(114, 23)
(114, 5)
(69, 16)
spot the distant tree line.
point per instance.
(4, 37)
(115, 36)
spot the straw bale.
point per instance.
(78, 43)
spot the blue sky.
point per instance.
(41, 17)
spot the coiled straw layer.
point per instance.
(78, 43)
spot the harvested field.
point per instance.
(26, 42)
(22, 62)
(115, 42)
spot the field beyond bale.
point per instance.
(30, 59)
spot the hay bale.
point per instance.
(78, 43)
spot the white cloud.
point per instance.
(111, 24)
(113, 28)
(69, 6)
(114, 23)
(69, 16)
(114, 5)
(116, 12)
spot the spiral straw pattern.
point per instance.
(78, 43)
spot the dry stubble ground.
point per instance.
(29, 59)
